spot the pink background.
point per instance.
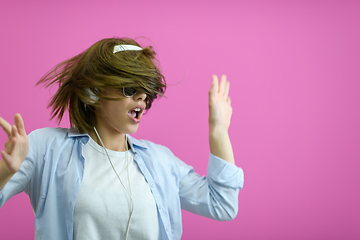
(294, 73)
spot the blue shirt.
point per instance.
(53, 170)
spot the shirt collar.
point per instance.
(134, 141)
(75, 133)
(85, 137)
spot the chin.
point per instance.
(132, 130)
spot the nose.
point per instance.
(139, 96)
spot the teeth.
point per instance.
(137, 109)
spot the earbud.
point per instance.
(92, 95)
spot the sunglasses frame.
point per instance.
(126, 95)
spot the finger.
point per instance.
(222, 85)
(5, 156)
(6, 126)
(10, 146)
(14, 131)
(215, 84)
(19, 123)
(228, 100)
(227, 89)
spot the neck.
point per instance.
(112, 141)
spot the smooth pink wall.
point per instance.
(294, 73)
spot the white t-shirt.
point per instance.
(102, 208)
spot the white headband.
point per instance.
(119, 48)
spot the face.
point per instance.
(121, 116)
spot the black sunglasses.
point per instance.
(129, 91)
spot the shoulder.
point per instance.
(46, 135)
(43, 140)
(48, 131)
(149, 146)
(52, 144)
(161, 160)
(158, 153)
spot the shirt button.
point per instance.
(152, 185)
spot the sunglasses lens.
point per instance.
(129, 91)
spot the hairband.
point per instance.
(119, 48)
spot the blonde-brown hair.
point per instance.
(99, 69)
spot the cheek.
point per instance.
(116, 110)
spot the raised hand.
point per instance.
(17, 145)
(220, 109)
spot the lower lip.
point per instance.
(134, 119)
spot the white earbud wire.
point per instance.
(127, 170)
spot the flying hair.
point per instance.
(99, 69)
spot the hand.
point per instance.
(17, 145)
(220, 109)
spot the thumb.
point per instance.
(9, 164)
(6, 157)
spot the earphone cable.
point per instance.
(127, 170)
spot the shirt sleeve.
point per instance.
(214, 196)
(19, 182)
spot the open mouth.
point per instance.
(136, 113)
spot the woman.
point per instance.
(94, 181)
